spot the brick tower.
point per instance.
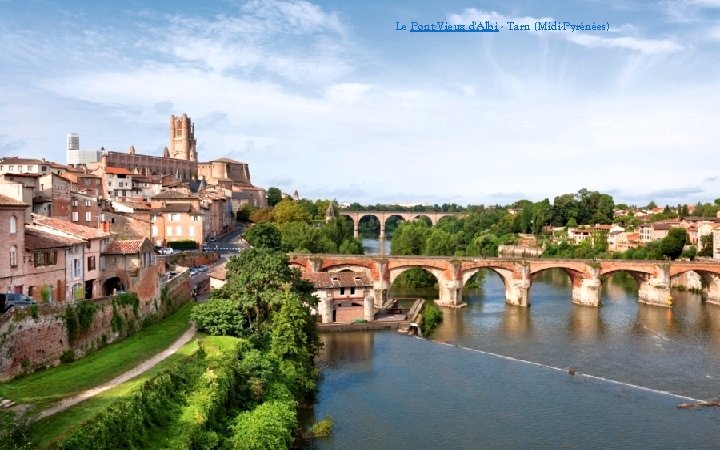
(182, 138)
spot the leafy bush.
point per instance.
(268, 426)
(85, 313)
(71, 323)
(322, 428)
(219, 318)
(187, 244)
(34, 311)
(128, 299)
(432, 316)
(67, 356)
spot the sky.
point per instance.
(332, 100)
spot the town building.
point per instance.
(12, 243)
(343, 297)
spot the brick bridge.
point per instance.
(653, 277)
(383, 216)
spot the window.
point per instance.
(13, 256)
(152, 219)
(168, 231)
(74, 203)
(196, 218)
(45, 258)
(29, 168)
(75, 216)
(88, 216)
(178, 230)
(88, 203)
(174, 217)
(191, 230)
(342, 291)
(44, 168)
(352, 290)
(77, 270)
(154, 231)
(91, 263)
(11, 168)
(13, 224)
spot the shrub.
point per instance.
(321, 428)
(432, 316)
(183, 245)
(270, 425)
(85, 312)
(71, 322)
(34, 311)
(67, 356)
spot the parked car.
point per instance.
(193, 272)
(166, 251)
(202, 268)
(9, 300)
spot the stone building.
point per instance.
(343, 296)
(233, 175)
(12, 243)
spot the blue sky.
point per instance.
(329, 99)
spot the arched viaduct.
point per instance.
(383, 216)
(653, 277)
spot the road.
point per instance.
(231, 242)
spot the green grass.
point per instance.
(46, 387)
(50, 429)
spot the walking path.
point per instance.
(132, 373)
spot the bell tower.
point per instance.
(182, 138)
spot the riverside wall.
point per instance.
(28, 343)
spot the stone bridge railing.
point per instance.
(653, 277)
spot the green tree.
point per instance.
(707, 244)
(439, 242)
(264, 235)
(409, 238)
(289, 211)
(274, 196)
(672, 245)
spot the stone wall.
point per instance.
(28, 344)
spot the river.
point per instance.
(496, 376)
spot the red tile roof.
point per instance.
(325, 280)
(74, 229)
(117, 171)
(124, 247)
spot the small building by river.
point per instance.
(343, 297)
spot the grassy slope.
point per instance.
(48, 430)
(48, 386)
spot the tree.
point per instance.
(264, 235)
(707, 244)
(672, 245)
(289, 211)
(274, 196)
(439, 242)
(409, 238)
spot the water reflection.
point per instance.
(585, 323)
(341, 348)
(517, 323)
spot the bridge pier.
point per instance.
(587, 292)
(380, 289)
(713, 290)
(382, 231)
(517, 292)
(356, 229)
(325, 307)
(369, 306)
(450, 294)
(655, 292)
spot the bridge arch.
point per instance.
(397, 271)
(504, 273)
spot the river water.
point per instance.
(496, 376)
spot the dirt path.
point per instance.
(132, 373)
